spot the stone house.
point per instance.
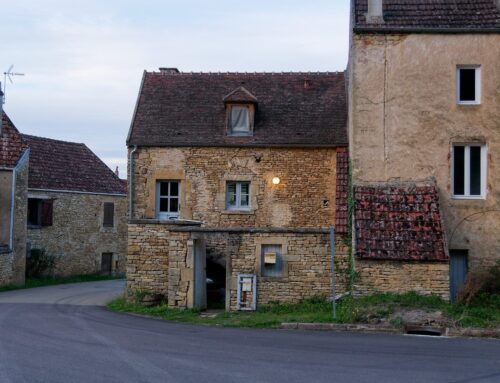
(234, 180)
(14, 162)
(424, 132)
(76, 208)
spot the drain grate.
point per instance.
(423, 330)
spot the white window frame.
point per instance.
(238, 205)
(477, 69)
(484, 167)
(164, 215)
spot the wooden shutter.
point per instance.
(47, 212)
(109, 214)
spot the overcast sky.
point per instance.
(83, 60)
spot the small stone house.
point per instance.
(424, 133)
(14, 162)
(76, 208)
(234, 181)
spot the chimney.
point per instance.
(117, 172)
(169, 70)
(375, 13)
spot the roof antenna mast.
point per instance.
(8, 75)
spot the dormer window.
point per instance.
(240, 109)
(240, 119)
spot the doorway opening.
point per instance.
(458, 271)
(216, 284)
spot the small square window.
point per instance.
(468, 85)
(272, 261)
(469, 171)
(238, 196)
(167, 200)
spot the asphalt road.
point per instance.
(62, 334)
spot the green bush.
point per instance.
(39, 264)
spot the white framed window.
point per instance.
(238, 195)
(240, 120)
(469, 164)
(468, 84)
(168, 199)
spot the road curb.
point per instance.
(450, 332)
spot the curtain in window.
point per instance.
(239, 119)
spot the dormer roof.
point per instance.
(240, 95)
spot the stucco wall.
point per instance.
(404, 119)
(5, 205)
(305, 196)
(77, 237)
(13, 261)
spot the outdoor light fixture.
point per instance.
(276, 180)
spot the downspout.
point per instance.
(131, 182)
(13, 197)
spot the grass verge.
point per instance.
(379, 309)
(40, 282)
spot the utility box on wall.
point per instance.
(247, 292)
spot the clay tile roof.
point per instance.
(12, 144)
(187, 109)
(341, 221)
(240, 94)
(399, 223)
(433, 14)
(69, 166)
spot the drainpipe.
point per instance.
(131, 182)
(13, 197)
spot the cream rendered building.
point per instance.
(424, 107)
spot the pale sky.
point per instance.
(83, 60)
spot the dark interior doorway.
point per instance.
(216, 285)
(106, 263)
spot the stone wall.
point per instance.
(77, 237)
(404, 119)
(160, 261)
(375, 276)
(13, 260)
(305, 196)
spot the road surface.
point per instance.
(64, 334)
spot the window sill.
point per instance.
(244, 212)
(34, 226)
(468, 198)
(467, 103)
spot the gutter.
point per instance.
(20, 163)
(76, 192)
(131, 182)
(392, 30)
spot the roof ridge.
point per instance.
(52, 139)
(249, 73)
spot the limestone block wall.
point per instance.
(404, 120)
(305, 196)
(13, 261)
(375, 276)
(160, 261)
(77, 237)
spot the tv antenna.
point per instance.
(8, 75)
